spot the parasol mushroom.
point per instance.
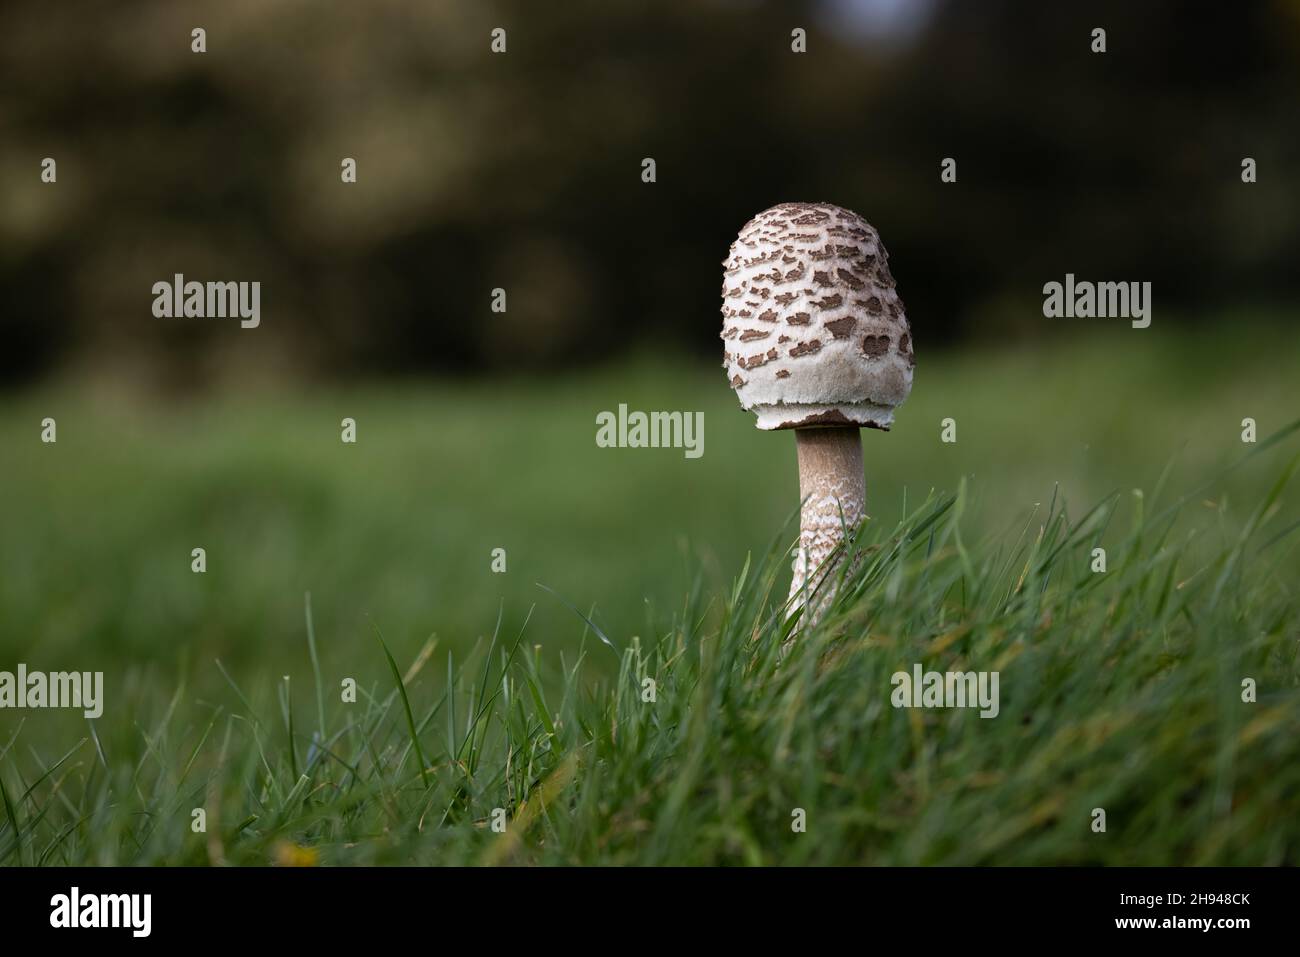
(816, 341)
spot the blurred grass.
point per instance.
(397, 530)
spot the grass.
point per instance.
(1120, 691)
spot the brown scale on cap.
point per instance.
(850, 280)
(873, 346)
(905, 349)
(842, 328)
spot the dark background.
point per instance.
(523, 170)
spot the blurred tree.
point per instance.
(521, 170)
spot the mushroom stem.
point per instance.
(833, 489)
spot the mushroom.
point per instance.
(816, 340)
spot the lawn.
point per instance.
(1120, 691)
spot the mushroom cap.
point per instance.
(813, 328)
